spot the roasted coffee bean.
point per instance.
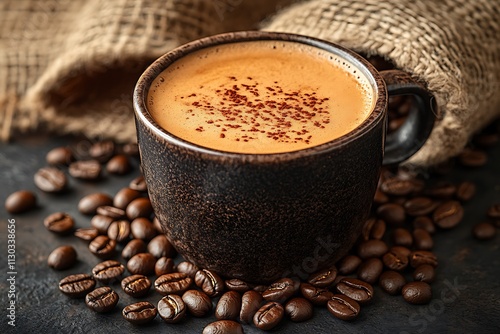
(392, 213)
(323, 278)
(197, 303)
(188, 268)
(373, 229)
(164, 265)
(424, 273)
(465, 191)
(268, 316)
(111, 211)
(279, 291)
(356, 289)
(441, 190)
(102, 247)
(260, 288)
(59, 156)
(343, 307)
(77, 286)
(401, 187)
(159, 246)
(62, 257)
(417, 293)
(119, 231)
(59, 222)
(157, 225)
(420, 206)
(392, 282)
(422, 240)
(123, 197)
(142, 264)
(402, 237)
(101, 223)
(424, 223)
(349, 264)
(88, 205)
(102, 151)
(131, 149)
(143, 228)
(119, 165)
(138, 184)
(229, 306)
(108, 271)
(102, 299)
(86, 234)
(372, 248)
(133, 247)
(136, 285)
(494, 211)
(171, 309)
(396, 259)
(448, 214)
(209, 282)
(317, 296)
(299, 309)
(173, 283)
(380, 197)
(139, 207)
(420, 257)
(50, 180)
(484, 231)
(139, 313)
(473, 158)
(20, 201)
(238, 285)
(370, 270)
(85, 170)
(223, 327)
(250, 303)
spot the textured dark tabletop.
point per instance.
(466, 293)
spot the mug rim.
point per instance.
(144, 82)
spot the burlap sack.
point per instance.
(70, 66)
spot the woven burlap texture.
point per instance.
(69, 66)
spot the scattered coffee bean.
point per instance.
(59, 222)
(111, 211)
(372, 248)
(494, 211)
(139, 207)
(20, 201)
(424, 273)
(424, 223)
(349, 264)
(465, 191)
(143, 228)
(260, 288)
(484, 231)
(138, 184)
(209, 282)
(370, 270)
(88, 205)
(119, 231)
(400, 187)
(188, 268)
(268, 316)
(448, 214)
(123, 197)
(139, 313)
(323, 278)
(441, 190)
(136, 285)
(422, 240)
(142, 264)
(101, 223)
(417, 292)
(59, 156)
(158, 226)
(102, 151)
(472, 158)
(197, 303)
(119, 165)
(418, 258)
(133, 247)
(86, 234)
(374, 229)
(317, 296)
(402, 237)
(102, 299)
(299, 309)
(50, 180)
(223, 327)
(89, 170)
(131, 149)
(173, 283)
(420, 206)
(108, 271)
(392, 282)
(238, 285)
(380, 197)
(250, 303)
(62, 257)
(356, 289)
(343, 307)
(164, 265)
(77, 286)
(392, 213)
(396, 258)
(171, 309)
(102, 247)
(159, 246)
(279, 291)
(229, 306)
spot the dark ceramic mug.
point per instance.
(261, 216)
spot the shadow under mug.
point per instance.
(259, 217)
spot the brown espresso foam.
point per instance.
(260, 97)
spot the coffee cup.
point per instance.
(262, 150)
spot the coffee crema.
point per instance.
(260, 97)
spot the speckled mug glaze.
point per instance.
(258, 217)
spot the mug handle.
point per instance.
(412, 134)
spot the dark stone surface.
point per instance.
(469, 266)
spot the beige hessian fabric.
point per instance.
(69, 66)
